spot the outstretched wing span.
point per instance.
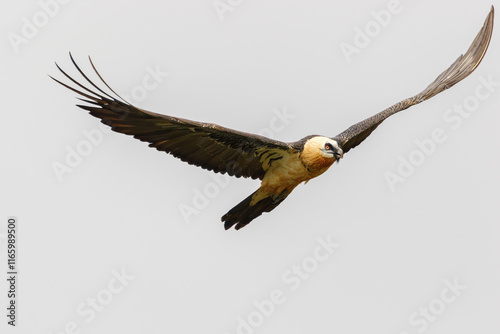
(206, 145)
(461, 68)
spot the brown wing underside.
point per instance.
(461, 68)
(206, 145)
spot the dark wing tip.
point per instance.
(85, 91)
(459, 70)
(465, 63)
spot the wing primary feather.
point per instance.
(104, 82)
(79, 85)
(88, 101)
(75, 90)
(88, 80)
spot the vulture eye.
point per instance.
(328, 147)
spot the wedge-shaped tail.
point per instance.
(244, 213)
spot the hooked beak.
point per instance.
(338, 154)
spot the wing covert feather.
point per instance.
(206, 145)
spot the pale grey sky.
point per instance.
(126, 239)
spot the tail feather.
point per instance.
(244, 213)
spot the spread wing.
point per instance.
(461, 68)
(206, 145)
